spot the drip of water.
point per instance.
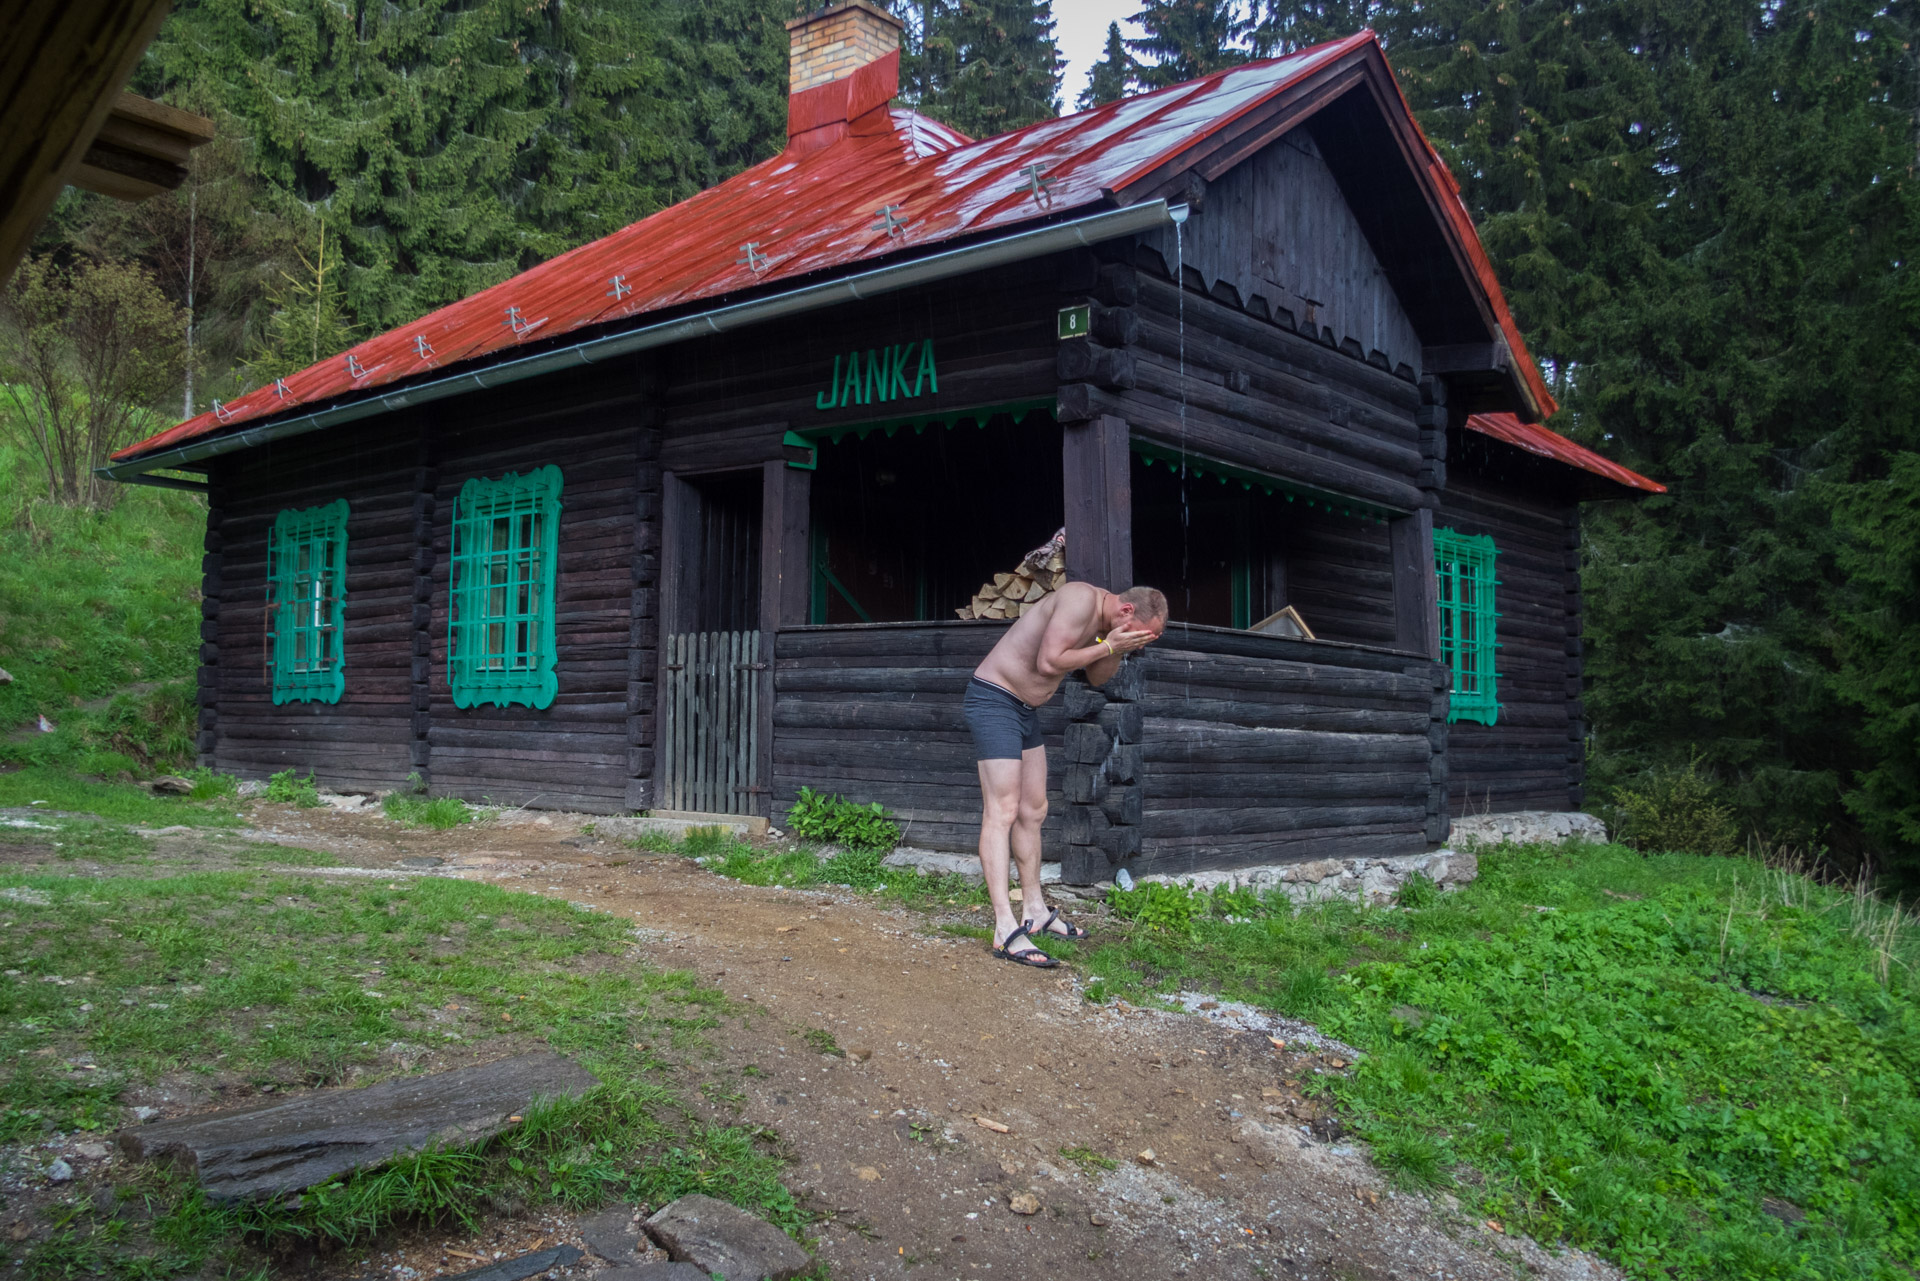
(1186, 542)
(1180, 290)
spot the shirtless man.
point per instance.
(1078, 626)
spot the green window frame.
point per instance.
(500, 647)
(1465, 566)
(306, 603)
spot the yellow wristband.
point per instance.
(1111, 652)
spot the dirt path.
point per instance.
(890, 1140)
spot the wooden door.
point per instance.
(708, 751)
(709, 755)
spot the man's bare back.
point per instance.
(1057, 636)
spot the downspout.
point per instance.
(868, 284)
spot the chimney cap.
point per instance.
(828, 11)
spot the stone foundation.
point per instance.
(1527, 827)
(1367, 880)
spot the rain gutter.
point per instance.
(1025, 245)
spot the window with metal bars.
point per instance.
(500, 646)
(306, 604)
(1464, 563)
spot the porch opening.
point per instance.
(1230, 547)
(910, 519)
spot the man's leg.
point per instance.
(1025, 841)
(999, 812)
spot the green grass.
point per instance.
(57, 788)
(1623, 1052)
(91, 603)
(437, 812)
(280, 979)
(799, 865)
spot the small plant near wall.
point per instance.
(863, 829)
(287, 788)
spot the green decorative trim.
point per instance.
(797, 441)
(978, 415)
(1464, 563)
(306, 603)
(506, 535)
(1152, 451)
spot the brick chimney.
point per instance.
(844, 63)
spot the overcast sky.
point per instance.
(1081, 28)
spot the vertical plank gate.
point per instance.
(710, 731)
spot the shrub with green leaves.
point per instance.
(858, 828)
(1171, 908)
(287, 788)
(1677, 811)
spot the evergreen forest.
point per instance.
(1704, 215)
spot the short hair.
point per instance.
(1148, 602)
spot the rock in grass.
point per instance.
(59, 1171)
(281, 1147)
(526, 1265)
(613, 1235)
(719, 1238)
(171, 785)
(656, 1272)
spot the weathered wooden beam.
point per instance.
(61, 67)
(141, 149)
(1098, 502)
(1416, 616)
(287, 1145)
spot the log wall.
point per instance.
(1256, 749)
(589, 750)
(1531, 757)
(363, 741)
(873, 712)
(1275, 234)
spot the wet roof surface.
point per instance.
(815, 210)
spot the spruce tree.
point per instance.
(1112, 76)
(986, 67)
(1189, 38)
(452, 143)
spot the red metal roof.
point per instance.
(816, 208)
(1536, 439)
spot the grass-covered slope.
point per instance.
(1699, 1067)
(99, 626)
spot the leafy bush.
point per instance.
(1676, 811)
(858, 828)
(1162, 907)
(287, 789)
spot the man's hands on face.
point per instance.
(1129, 638)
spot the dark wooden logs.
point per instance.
(1099, 502)
(873, 712)
(1104, 786)
(1532, 756)
(1254, 749)
(207, 736)
(420, 747)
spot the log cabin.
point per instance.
(693, 515)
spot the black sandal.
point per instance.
(1033, 958)
(1073, 932)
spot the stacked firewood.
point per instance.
(1042, 570)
